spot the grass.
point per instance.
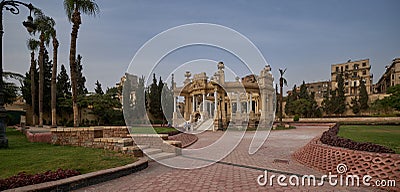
(386, 135)
(40, 157)
(149, 130)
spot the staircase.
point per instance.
(128, 146)
(205, 125)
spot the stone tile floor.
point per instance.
(236, 172)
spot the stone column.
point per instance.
(194, 104)
(251, 103)
(174, 104)
(238, 103)
(215, 106)
(215, 100)
(204, 103)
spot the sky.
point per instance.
(304, 36)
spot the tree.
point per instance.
(290, 107)
(340, 101)
(303, 94)
(10, 89)
(155, 98)
(140, 100)
(98, 89)
(282, 81)
(355, 105)
(63, 84)
(394, 99)
(73, 9)
(64, 101)
(33, 46)
(80, 78)
(53, 78)
(27, 84)
(363, 100)
(167, 101)
(44, 24)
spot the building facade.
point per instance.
(353, 73)
(391, 77)
(245, 102)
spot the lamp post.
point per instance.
(11, 6)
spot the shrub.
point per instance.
(330, 137)
(296, 118)
(23, 179)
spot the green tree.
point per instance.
(80, 78)
(140, 100)
(340, 100)
(44, 24)
(63, 84)
(98, 89)
(155, 99)
(290, 99)
(363, 96)
(282, 81)
(167, 101)
(303, 94)
(73, 9)
(64, 101)
(53, 34)
(394, 99)
(355, 105)
(33, 46)
(10, 88)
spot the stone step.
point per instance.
(134, 150)
(118, 141)
(151, 151)
(160, 156)
(143, 146)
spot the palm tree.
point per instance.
(282, 81)
(33, 46)
(73, 8)
(53, 78)
(44, 25)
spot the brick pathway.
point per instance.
(237, 172)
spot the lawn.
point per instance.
(40, 157)
(386, 135)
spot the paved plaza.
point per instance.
(236, 172)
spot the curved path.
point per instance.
(237, 172)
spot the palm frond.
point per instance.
(88, 7)
(32, 44)
(284, 81)
(69, 6)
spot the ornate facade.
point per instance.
(246, 102)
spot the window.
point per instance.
(337, 69)
(364, 72)
(364, 64)
(341, 68)
(355, 74)
(346, 67)
(355, 66)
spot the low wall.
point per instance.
(115, 131)
(76, 136)
(38, 137)
(326, 159)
